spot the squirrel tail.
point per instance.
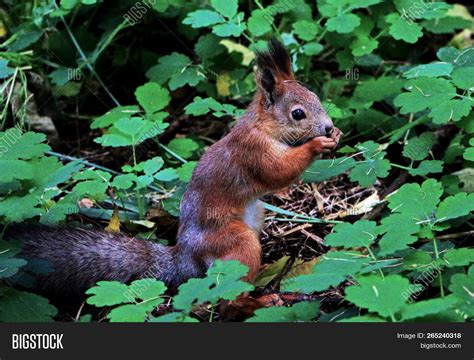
(68, 261)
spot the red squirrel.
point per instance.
(277, 138)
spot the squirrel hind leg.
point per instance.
(246, 249)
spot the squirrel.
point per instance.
(282, 131)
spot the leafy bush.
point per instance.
(396, 77)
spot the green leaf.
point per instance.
(108, 293)
(9, 265)
(152, 97)
(19, 208)
(418, 147)
(428, 307)
(418, 202)
(184, 147)
(429, 70)
(201, 106)
(401, 29)
(133, 312)
(451, 110)
(300, 312)
(374, 165)
(229, 29)
(321, 170)
(222, 281)
(18, 145)
(176, 68)
(332, 270)
(462, 286)
(260, 22)
(203, 18)
(455, 206)
(363, 45)
(20, 306)
(168, 174)
(185, 172)
(208, 46)
(124, 182)
(362, 233)
(174, 317)
(343, 23)
(398, 230)
(459, 257)
(372, 90)
(306, 30)
(5, 71)
(427, 167)
(228, 8)
(114, 115)
(424, 93)
(463, 78)
(382, 296)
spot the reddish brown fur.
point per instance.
(221, 216)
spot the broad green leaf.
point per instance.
(5, 71)
(114, 115)
(398, 230)
(152, 97)
(300, 312)
(184, 147)
(228, 8)
(203, 18)
(18, 145)
(185, 172)
(463, 78)
(451, 110)
(321, 170)
(429, 70)
(418, 147)
(462, 286)
(401, 29)
(362, 233)
(427, 167)
(343, 23)
(424, 93)
(428, 307)
(133, 312)
(305, 30)
(108, 293)
(418, 202)
(332, 270)
(174, 317)
(20, 306)
(222, 281)
(382, 296)
(455, 206)
(260, 22)
(372, 167)
(459, 257)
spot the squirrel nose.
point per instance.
(329, 129)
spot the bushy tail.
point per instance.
(68, 261)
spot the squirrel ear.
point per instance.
(268, 82)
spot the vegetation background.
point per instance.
(107, 106)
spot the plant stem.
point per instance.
(441, 286)
(139, 195)
(375, 259)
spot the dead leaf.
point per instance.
(114, 223)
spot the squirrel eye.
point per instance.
(298, 114)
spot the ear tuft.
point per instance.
(276, 59)
(268, 83)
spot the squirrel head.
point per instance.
(289, 111)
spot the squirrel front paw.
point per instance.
(323, 144)
(336, 134)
